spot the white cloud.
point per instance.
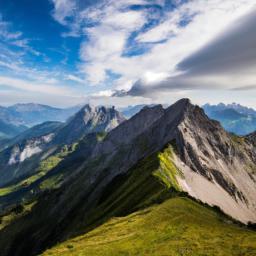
(107, 41)
(117, 101)
(34, 86)
(75, 79)
(169, 27)
(13, 47)
(63, 9)
(227, 62)
(105, 44)
(5, 32)
(104, 93)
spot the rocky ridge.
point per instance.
(210, 165)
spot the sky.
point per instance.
(127, 52)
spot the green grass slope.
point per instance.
(44, 167)
(141, 212)
(178, 226)
(150, 181)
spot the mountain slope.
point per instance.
(33, 161)
(130, 111)
(33, 132)
(148, 158)
(30, 148)
(9, 130)
(252, 138)
(237, 107)
(178, 226)
(31, 114)
(233, 117)
(22, 154)
(89, 119)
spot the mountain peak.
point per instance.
(88, 120)
(181, 104)
(179, 109)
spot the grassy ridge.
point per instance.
(151, 180)
(15, 213)
(179, 226)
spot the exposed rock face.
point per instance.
(214, 166)
(252, 138)
(23, 153)
(218, 168)
(125, 133)
(31, 147)
(88, 120)
(27, 150)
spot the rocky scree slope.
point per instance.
(152, 155)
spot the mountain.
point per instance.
(20, 155)
(26, 151)
(31, 114)
(235, 106)
(252, 138)
(234, 117)
(155, 156)
(130, 111)
(8, 130)
(88, 120)
(35, 131)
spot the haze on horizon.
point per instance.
(127, 52)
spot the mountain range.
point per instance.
(130, 111)
(159, 182)
(22, 154)
(17, 118)
(233, 117)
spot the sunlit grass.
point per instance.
(44, 167)
(179, 226)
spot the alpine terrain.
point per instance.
(165, 182)
(234, 117)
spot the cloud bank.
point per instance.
(226, 62)
(140, 50)
(194, 44)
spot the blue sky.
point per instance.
(67, 52)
